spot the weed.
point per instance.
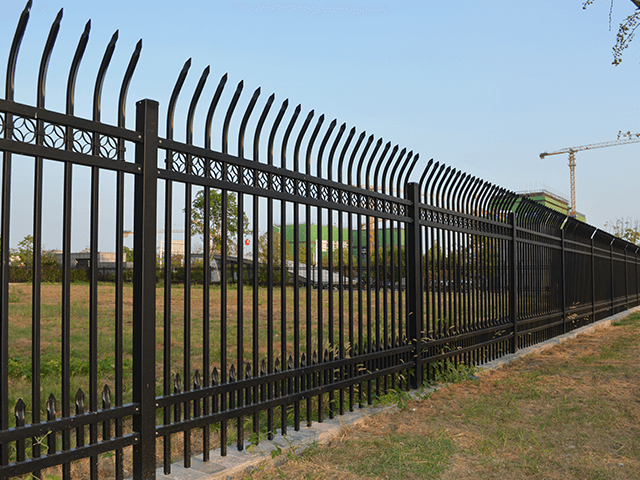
(15, 295)
(629, 320)
(447, 371)
(51, 365)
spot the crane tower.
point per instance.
(623, 139)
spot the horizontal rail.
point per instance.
(64, 120)
(292, 374)
(68, 157)
(67, 423)
(77, 453)
(192, 423)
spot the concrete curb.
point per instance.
(237, 464)
(557, 340)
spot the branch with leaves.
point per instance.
(626, 229)
(626, 30)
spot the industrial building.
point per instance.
(552, 201)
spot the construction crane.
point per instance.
(623, 138)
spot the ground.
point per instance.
(571, 411)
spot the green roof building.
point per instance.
(552, 201)
(321, 241)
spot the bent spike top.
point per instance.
(367, 164)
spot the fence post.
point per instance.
(593, 276)
(414, 281)
(626, 277)
(563, 283)
(144, 290)
(613, 290)
(513, 282)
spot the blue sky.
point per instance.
(481, 86)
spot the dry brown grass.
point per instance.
(570, 412)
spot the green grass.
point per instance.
(568, 412)
(398, 456)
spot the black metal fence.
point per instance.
(349, 279)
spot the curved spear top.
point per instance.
(367, 174)
(227, 118)
(435, 189)
(9, 86)
(261, 120)
(395, 169)
(334, 147)
(194, 103)
(361, 161)
(514, 199)
(443, 192)
(245, 120)
(323, 144)
(376, 173)
(413, 165)
(287, 134)
(486, 200)
(174, 97)
(352, 158)
(296, 150)
(473, 196)
(455, 196)
(312, 140)
(383, 180)
(510, 203)
(451, 187)
(422, 177)
(46, 56)
(476, 194)
(424, 173)
(466, 194)
(529, 213)
(126, 81)
(274, 128)
(492, 199)
(401, 181)
(211, 112)
(470, 192)
(462, 194)
(552, 219)
(102, 71)
(481, 197)
(495, 205)
(503, 204)
(75, 65)
(352, 132)
(403, 166)
(431, 171)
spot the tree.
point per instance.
(128, 252)
(215, 221)
(263, 258)
(625, 229)
(626, 30)
(24, 254)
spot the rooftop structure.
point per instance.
(552, 201)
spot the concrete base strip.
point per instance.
(558, 340)
(241, 463)
(237, 464)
